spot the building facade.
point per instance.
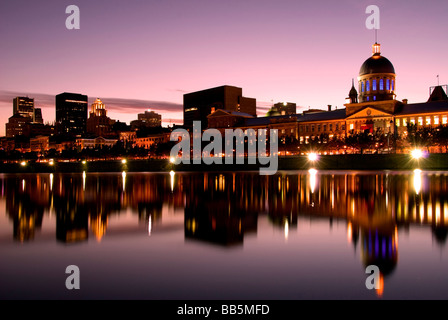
(71, 114)
(198, 105)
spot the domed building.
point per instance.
(376, 78)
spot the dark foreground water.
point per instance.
(295, 235)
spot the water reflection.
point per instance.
(224, 208)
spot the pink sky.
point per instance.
(138, 55)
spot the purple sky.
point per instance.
(138, 55)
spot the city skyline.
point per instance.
(256, 47)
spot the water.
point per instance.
(295, 235)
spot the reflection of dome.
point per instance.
(380, 249)
(440, 233)
(376, 64)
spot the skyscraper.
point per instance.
(24, 106)
(71, 113)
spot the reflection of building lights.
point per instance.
(417, 180)
(123, 176)
(286, 229)
(149, 225)
(312, 173)
(123, 161)
(313, 157)
(83, 180)
(172, 180)
(380, 290)
(417, 154)
(349, 232)
(23, 184)
(51, 181)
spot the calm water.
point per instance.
(295, 235)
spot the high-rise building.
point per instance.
(71, 113)
(38, 115)
(151, 118)
(24, 106)
(99, 123)
(198, 105)
(18, 125)
(282, 108)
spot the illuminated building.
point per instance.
(71, 113)
(40, 144)
(282, 108)
(95, 143)
(147, 119)
(98, 123)
(24, 106)
(198, 105)
(17, 125)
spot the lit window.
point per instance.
(428, 121)
(444, 120)
(362, 87)
(381, 84)
(318, 128)
(352, 126)
(368, 98)
(325, 127)
(412, 121)
(420, 121)
(367, 86)
(397, 122)
(436, 120)
(393, 85)
(374, 98)
(374, 85)
(331, 127)
(405, 122)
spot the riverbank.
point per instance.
(333, 162)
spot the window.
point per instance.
(337, 127)
(307, 128)
(444, 120)
(367, 86)
(318, 128)
(373, 85)
(420, 121)
(352, 126)
(312, 128)
(374, 98)
(393, 85)
(362, 87)
(428, 121)
(325, 127)
(405, 122)
(397, 122)
(331, 127)
(301, 129)
(387, 84)
(436, 120)
(412, 121)
(368, 98)
(381, 84)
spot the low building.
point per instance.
(40, 144)
(95, 143)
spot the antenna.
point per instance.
(438, 80)
(376, 35)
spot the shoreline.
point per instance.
(329, 162)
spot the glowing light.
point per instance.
(23, 163)
(286, 229)
(83, 180)
(51, 181)
(84, 161)
(123, 176)
(51, 162)
(172, 160)
(23, 184)
(380, 290)
(312, 173)
(313, 156)
(417, 180)
(123, 161)
(149, 225)
(417, 154)
(172, 180)
(349, 232)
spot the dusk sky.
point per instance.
(137, 55)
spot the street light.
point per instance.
(417, 154)
(313, 157)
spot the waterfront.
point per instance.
(224, 235)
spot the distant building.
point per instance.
(17, 125)
(24, 106)
(40, 144)
(198, 105)
(282, 109)
(95, 143)
(149, 119)
(99, 123)
(71, 113)
(38, 115)
(148, 141)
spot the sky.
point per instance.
(137, 55)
